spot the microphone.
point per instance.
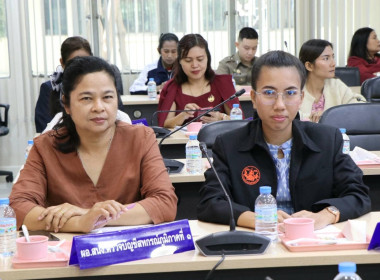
(286, 45)
(230, 242)
(236, 94)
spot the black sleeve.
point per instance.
(350, 194)
(213, 205)
(42, 112)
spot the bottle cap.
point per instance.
(343, 130)
(4, 200)
(265, 190)
(151, 79)
(235, 106)
(30, 142)
(193, 137)
(347, 267)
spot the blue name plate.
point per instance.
(375, 240)
(93, 250)
(140, 122)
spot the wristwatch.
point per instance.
(333, 210)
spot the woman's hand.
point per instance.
(101, 213)
(190, 106)
(56, 216)
(321, 219)
(159, 88)
(214, 116)
(314, 117)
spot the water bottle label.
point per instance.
(346, 147)
(7, 225)
(267, 214)
(236, 117)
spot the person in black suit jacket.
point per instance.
(302, 161)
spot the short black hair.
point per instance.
(248, 33)
(312, 49)
(166, 37)
(67, 140)
(277, 59)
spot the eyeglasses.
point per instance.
(290, 96)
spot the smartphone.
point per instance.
(202, 110)
(41, 232)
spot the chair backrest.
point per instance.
(4, 119)
(371, 89)
(349, 75)
(209, 132)
(361, 121)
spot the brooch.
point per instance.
(211, 98)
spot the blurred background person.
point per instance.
(364, 53)
(239, 65)
(160, 70)
(322, 90)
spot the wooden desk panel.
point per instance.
(277, 263)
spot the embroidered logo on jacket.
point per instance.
(250, 175)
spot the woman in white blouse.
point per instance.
(322, 90)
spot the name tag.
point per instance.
(93, 250)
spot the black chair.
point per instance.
(371, 89)
(209, 132)
(349, 75)
(4, 131)
(361, 121)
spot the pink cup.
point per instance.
(299, 228)
(194, 127)
(36, 249)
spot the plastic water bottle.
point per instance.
(27, 150)
(266, 213)
(8, 232)
(346, 141)
(347, 271)
(236, 113)
(152, 89)
(193, 156)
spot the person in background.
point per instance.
(160, 70)
(322, 90)
(303, 162)
(364, 53)
(91, 170)
(240, 64)
(48, 104)
(194, 86)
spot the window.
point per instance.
(4, 65)
(55, 17)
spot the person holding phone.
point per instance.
(92, 170)
(194, 86)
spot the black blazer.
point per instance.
(320, 174)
